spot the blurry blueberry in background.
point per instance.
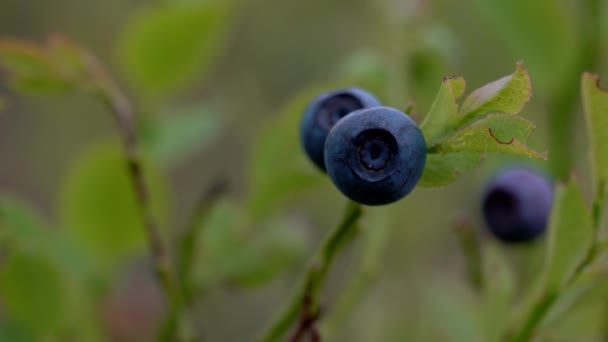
(323, 113)
(517, 204)
(375, 156)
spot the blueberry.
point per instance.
(323, 113)
(375, 156)
(517, 204)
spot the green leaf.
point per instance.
(543, 33)
(442, 119)
(57, 66)
(506, 95)
(98, 207)
(497, 295)
(494, 133)
(367, 70)
(451, 312)
(230, 254)
(261, 259)
(443, 169)
(33, 292)
(279, 167)
(570, 236)
(595, 104)
(173, 138)
(167, 47)
(23, 230)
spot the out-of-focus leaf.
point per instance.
(98, 205)
(22, 229)
(442, 119)
(576, 311)
(33, 292)
(506, 95)
(57, 66)
(232, 254)
(543, 33)
(494, 133)
(366, 69)
(172, 138)
(570, 236)
(279, 167)
(443, 169)
(595, 103)
(167, 47)
(15, 332)
(498, 291)
(261, 259)
(452, 312)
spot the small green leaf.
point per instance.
(498, 293)
(167, 47)
(33, 292)
(494, 133)
(98, 206)
(506, 95)
(595, 104)
(443, 117)
(173, 138)
(570, 236)
(443, 169)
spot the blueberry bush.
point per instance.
(146, 194)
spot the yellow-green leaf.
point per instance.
(495, 133)
(443, 169)
(442, 119)
(166, 47)
(506, 95)
(98, 206)
(570, 236)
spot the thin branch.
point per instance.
(308, 293)
(124, 116)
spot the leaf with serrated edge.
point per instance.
(443, 169)
(595, 104)
(570, 236)
(443, 116)
(495, 133)
(506, 95)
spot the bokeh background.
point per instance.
(219, 88)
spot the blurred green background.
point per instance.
(219, 87)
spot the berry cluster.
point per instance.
(373, 154)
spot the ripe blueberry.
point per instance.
(375, 156)
(517, 204)
(323, 113)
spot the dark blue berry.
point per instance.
(323, 113)
(517, 204)
(375, 156)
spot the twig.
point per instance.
(307, 295)
(124, 116)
